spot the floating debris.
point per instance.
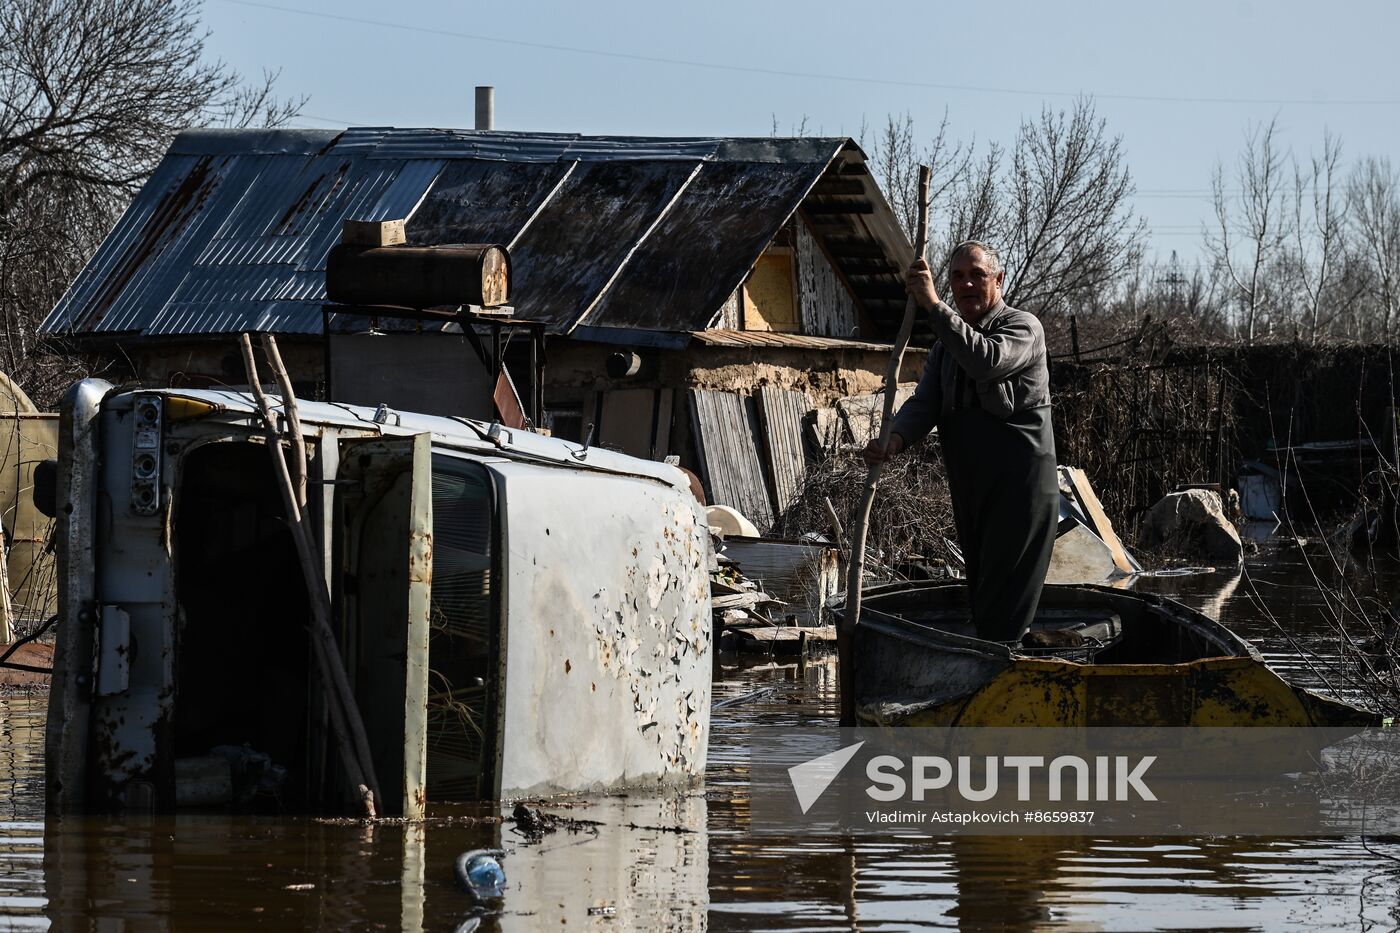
(479, 873)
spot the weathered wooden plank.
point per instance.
(787, 639)
(854, 247)
(726, 440)
(858, 267)
(825, 304)
(840, 207)
(830, 185)
(823, 427)
(780, 417)
(880, 290)
(1102, 526)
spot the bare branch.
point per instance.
(91, 94)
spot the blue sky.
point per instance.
(1181, 83)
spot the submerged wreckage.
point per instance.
(516, 615)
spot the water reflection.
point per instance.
(681, 863)
(1043, 883)
(634, 864)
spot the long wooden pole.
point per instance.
(845, 635)
(289, 409)
(346, 723)
(324, 638)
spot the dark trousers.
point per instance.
(1005, 493)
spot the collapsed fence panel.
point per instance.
(726, 442)
(780, 415)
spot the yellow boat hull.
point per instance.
(918, 662)
(1214, 692)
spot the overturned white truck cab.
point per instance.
(558, 639)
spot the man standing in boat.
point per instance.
(986, 387)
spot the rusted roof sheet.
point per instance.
(756, 338)
(232, 230)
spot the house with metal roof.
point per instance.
(704, 263)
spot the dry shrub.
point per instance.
(911, 521)
(1139, 431)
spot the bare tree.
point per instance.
(1319, 237)
(896, 156)
(978, 211)
(91, 93)
(1373, 208)
(1185, 298)
(1070, 233)
(1248, 237)
(1057, 209)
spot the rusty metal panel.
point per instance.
(586, 231)
(499, 146)
(607, 632)
(706, 244)
(780, 415)
(167, 251)
(719, 337)
(726, 440)
(366, 186)
(232, 230)
(118, 259)
(482, 202)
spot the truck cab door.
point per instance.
(384, 515)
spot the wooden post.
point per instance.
(845, 635)
(836, 530)
(1074, 337)
(289, 409)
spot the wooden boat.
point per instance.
(1145, 661)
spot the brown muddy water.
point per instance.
(683, 863)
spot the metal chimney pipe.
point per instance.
(485, 107)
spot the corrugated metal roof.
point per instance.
(756, 338)
(233, 228)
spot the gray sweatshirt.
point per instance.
(1003, 357)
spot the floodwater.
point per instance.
(688, 862)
